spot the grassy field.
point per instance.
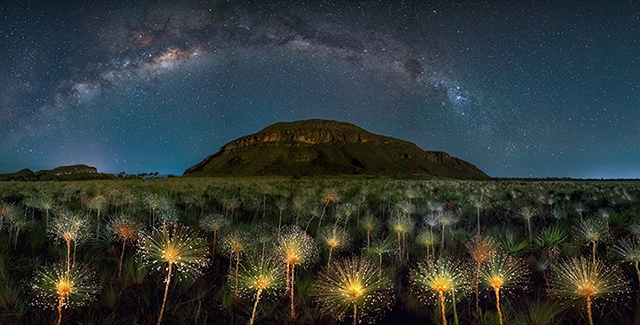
(331, 250)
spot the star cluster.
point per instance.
(535, 89)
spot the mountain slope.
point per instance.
(323, 147)
(75, 172)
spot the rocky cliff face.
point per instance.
(59, 173)
(311, 132)
(76, 169)
(295, 137)
(328, 147)
(68, 170)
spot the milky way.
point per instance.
(529, 90)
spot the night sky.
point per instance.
(517, 88)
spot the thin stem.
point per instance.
(164, 300)
(60, 308)
(477, 280)
(308, 223)
(15, 240)
(594, 251)
(215, 242)
(68, 255)
(444, 318)
(380, 266)
(255, 304)
(546, 280)
(478, 221)
(121, 256)
(75, 245)
(404, 245)
(399, 247)
(589, 310)
(288, 286)
(355, 310)
(237, 264)
(293, 311)
(455, 309)
(431, 231)
(498, 304)
(442, 248)
(330, 250)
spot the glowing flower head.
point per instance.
(125, 227)
(334, 237)
(258, 274)
(214, 222)
(296, 247)
(68, 226)
(353, 286)
(54, 287)
(581, 279)
(482, 248)
(504, 272)
(443, 275)
(176, 245)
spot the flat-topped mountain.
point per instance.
(69, 170)
(75, 172)
(323, 147)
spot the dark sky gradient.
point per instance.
(520, 89)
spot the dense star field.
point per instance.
(517, 88)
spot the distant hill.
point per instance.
(68, 170)
(75, 172)
(23, 173)
(324, 147)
